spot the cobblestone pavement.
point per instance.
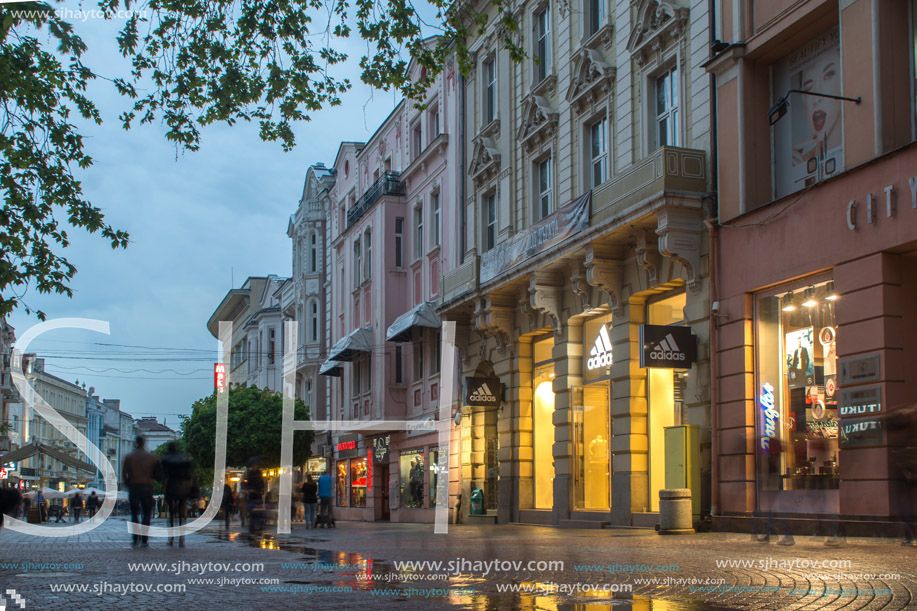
(353, 566)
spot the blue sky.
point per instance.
(199, 223)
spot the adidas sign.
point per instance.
(482, 393)
(668, 350)
(600, 355)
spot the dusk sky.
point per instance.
(200, 223)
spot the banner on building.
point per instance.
(545, 234)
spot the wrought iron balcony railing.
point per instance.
(387, 184)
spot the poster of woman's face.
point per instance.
(808, 140)
(800, 358)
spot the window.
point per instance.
(313, 254)
(411, 463)
(355, 375)
(313, 322)
(367, 373)
(598, 152)
(541, 52)
(399, 364)
(437, 357)
(434, 230)
(434, 123)
(418, 360)
(357, 264)
(418, 232)
(399, 242)
(416, 142)
(667, 109)
(490, 90)
(270, 356)
(368, 259)
(797, 389)
(490, 221)
(594, 16)
(543, 203)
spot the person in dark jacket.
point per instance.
(139, 470)
(253, 486)
(77, 505)
(309, 499)
(179, 480)
(226, 504)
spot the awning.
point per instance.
(360, 340)
(331, 368)
(35, 448)
(422, 315)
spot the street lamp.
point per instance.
(783, 104)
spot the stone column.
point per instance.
(629, 442)
(515, 430)
(568, 364)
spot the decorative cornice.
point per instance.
(654, 19)
(546, 295)
(525, 306)
(593, 79)
(539, 121)
(648, 255)
(680, 231)
(495, 321)
(606, 274)
(579, 286)
(485, 160)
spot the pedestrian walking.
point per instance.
(309, 499)
(139, 471)
(253, 485)
(77, 505)
(92, 504)
(325, 494)
(179, 482)
(42, 506)
(227, 504)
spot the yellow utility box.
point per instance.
(682, 461)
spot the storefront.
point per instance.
(818, 345)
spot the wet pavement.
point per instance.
(359, 565)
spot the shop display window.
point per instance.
(543, 421)
(435, 469)
(411, 463)
(358, 482)
(591, 436)
(341, 483)
(797, 390)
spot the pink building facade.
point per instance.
(388, 250)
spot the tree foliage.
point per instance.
(254, 429)
(194, 63)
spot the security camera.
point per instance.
(715, 308)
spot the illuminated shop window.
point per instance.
(358, 481)
(543, 413)
(341, 484)
(796, 392)
(411, 463)
(435, 473)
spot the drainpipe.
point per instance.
(461, 172)
(711, 249)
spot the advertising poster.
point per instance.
(808, 140)
(800, 364)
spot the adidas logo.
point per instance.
(17, 599)
(667, 350)
(483, 393)
(601, 351)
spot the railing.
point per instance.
(387, 184)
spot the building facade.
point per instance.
(814, 260)
(586, 191)
(390, 209)
(156, 433)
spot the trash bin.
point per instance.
(477, 502)
(675, 512)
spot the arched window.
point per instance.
(313, 322)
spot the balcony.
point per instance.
(461, 280)
(387, 184)
(668, 169)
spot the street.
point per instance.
(358, 565)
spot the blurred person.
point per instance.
(325, 496)
(309, 499)
(179, 482)
(77, 505)
(226, 504)
(902, 442)
(138, 472)
(42, 506)
(10, 499)
(253, 485)
(92, 504)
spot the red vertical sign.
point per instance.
(369, 470)
(219, 377)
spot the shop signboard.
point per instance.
(667, 347)
(860, 432)
(483, 392)
(597, 349)
(860, 369)
(347, 446)
(543, 235)
(861, 402)
(381, 447)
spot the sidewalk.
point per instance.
(354, 566)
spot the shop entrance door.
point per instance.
(386, 514)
